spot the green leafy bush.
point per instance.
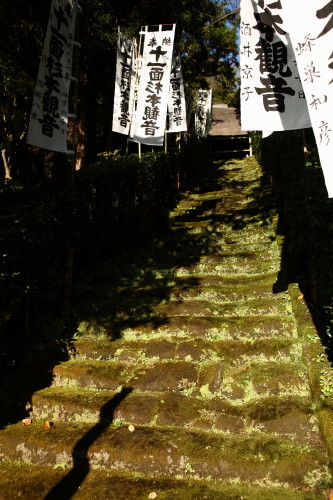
(109, 205)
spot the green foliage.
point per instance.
(20, 49)
(326, 383)
(110, 204)
(205, 39)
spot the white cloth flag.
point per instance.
(153, 92)
(272, 96)
(177, 103)
(203, 112)
(310, 24)
(123, 90)
(49, 115)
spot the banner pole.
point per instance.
(305, 146)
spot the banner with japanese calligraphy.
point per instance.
(49, 115)
(177, 103)
(123, 104)
(203, 112)
(272, 96)
(153, 92)
(312, 38)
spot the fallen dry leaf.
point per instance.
(48, 425)
(131, 428)
(152, 495)
(26, 421)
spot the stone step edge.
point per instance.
(86, 362)
(30, 479)
(228, 277)
(179, 284)
(39, 425)
(238, 299)
(94, 348)
(230, 407)
(255, 417)
(63, 435)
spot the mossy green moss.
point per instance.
(35, 482)
(221, 407)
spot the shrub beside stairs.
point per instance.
(195, 381)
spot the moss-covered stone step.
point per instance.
(240, 214)
(222, 198)
(213, 248)
(218, 288)
(233, 352)
(236, 231)
(181, 376)
(36, 482)
(212, 288)
(240, 383)
(211, 240)
(268, 306)
(261, 283)
(209, 327)
(264, 379)
(291, 416)
(234, 264)
(153, 450)
(218, 247)
(229, 264)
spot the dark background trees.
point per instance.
(206, 39)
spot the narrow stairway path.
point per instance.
(191, 383)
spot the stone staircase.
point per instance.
(225, 147)
(192, 383)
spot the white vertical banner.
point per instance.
(203, 112)
(123, 91)
(310, 23)
(177, 103)
(272, 96)
(49, 115)
(153, 92)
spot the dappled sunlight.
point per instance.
(152, 274)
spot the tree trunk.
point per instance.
(82, 124)
(86, 125)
